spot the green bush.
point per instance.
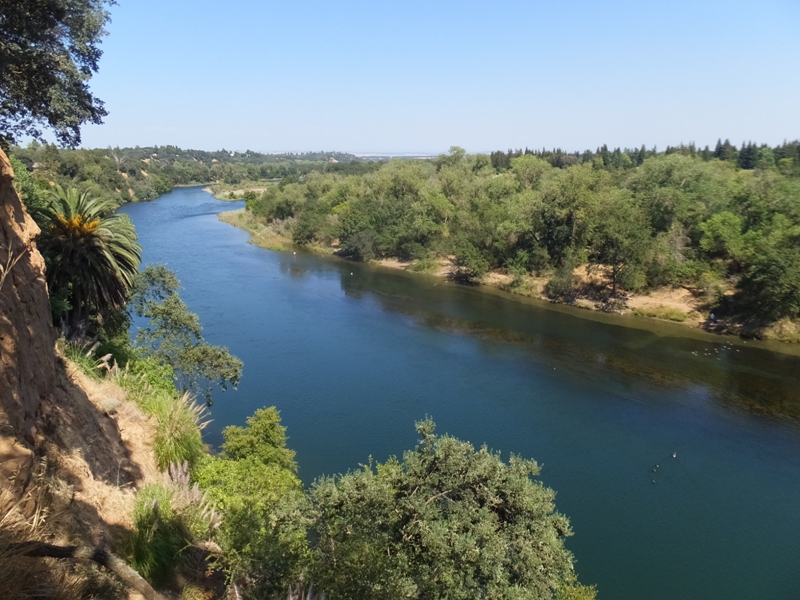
(446, 521)
(264, 438)
(84, 357)
(159, 535)
(150, 385)
(562, 283)
(254, 484)
(429, 264)
(471, 263)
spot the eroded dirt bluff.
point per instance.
(94, 445)
(27, 338)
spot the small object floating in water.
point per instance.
(350, 273)
(294, 252)
(654, 480)
(674, 455)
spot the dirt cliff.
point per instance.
(27, 361)
(72, 450)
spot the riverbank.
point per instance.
(681, 306)
(677, 305)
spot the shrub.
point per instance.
(168, 518)
(429, 264)
(264, 438)
(254, 484)
(83, 356)
(562, 283)
(446, 521)
(471, 263)
(178, 433)
(158, 535)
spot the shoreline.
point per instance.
(633, 315)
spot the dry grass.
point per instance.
(97, 450)
(785, 330)
(22, 577)
(272, 236)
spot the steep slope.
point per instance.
(72, 451)
(27, 361)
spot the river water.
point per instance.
(353, 354)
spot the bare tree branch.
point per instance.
(99, 555)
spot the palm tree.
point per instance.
(92, 254)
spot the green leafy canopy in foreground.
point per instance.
(445, 522)
(254, 484)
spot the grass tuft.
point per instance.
(662, 312)
(168, 518)
(178, 433)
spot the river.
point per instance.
(353, 354)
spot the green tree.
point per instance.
(620, 241)
(91, 253)
(568, 209)
(471, 263)
(722, 235)
(445, 522)
(529, 170)
(264, 438)
(48, 52)
(174, 337)
(254, 484)
(33, 197)
(770, 286)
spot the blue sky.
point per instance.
(422, 76)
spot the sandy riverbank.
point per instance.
(674, 304)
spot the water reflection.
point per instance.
(294, 269)
(738, 377)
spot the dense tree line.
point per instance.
(675, 219)
(786, 157)
(139, 174)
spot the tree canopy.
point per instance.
(446, 521)
(173, 335)
(677, 218)
(48, 52)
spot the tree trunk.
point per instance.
(99, 555)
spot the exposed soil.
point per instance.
(681, 299)
(103, 449)
(681, 305)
